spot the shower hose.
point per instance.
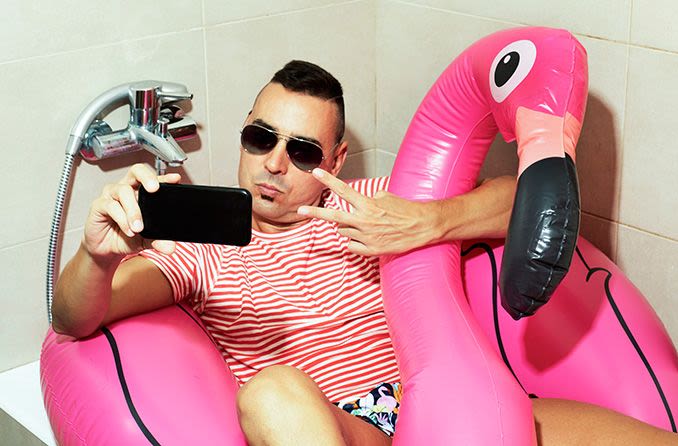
(64, 184)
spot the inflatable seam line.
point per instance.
(55, 405)
(547, 284)
(627, 330)
(125, 390)
(568, 203)
(481, 351)
(500, 343)
(181, 307)
(459, 153)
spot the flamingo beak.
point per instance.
(544, 224)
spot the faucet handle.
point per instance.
(144, 94)
(170, 92)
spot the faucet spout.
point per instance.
(165, 148)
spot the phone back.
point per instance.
(200, 214)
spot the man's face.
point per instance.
(277, 186)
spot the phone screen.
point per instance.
(200, 214)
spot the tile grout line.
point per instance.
(99, 46)
(509, 22)
(615, 248)
(281, 13)
(629, 226)
(207, 100)
(46, 237)
(377, 9)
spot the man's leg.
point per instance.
(282, 405)
(563, 423)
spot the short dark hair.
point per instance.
(305, 77)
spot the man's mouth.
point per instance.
(267, 191)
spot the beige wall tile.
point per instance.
(608, 19)
(599, 151)
(653, 23)
(32, 28)
(384, 163)
(415, 45)
(23, 313)
(42, 112)
(242, 57)
(219, 11)
(600, 232)
(23, 307)
(359, 165)
(502, 159)
(651, 263)
(649, 182)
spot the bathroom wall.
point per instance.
(55, 57)
(626, 157)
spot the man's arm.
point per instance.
(89, 294)
(95, 288)
(387, 224)
(484, 212)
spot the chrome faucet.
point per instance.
(156, 124)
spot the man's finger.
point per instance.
(166, 247)
(359, 248)
(341, 217)
(141, 174)
(170, 178)
(125, 196)
(352, 233)
(339, 187)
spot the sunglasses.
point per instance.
(259, 140)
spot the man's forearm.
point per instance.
(83, 294)
(483, 212)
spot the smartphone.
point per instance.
(200, 214)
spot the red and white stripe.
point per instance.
(297, 298)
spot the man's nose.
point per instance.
(277, 161)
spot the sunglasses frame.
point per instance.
(287, 139)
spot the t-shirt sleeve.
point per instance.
(184, 270)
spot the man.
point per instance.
(297, 315)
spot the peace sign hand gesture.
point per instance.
(383, 224)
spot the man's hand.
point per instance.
(385, 224)
(114, 222)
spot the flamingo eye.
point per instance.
(511, 65)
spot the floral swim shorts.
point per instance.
(379, 407)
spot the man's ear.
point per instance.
(338, 158)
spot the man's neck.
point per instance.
(274, 227)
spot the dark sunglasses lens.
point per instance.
(257, 140)
(304, 155)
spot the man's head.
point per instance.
(310, 79)
(303, 102)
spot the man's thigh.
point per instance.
(563, 422)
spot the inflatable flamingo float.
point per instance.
(599, 342)
(157, 378)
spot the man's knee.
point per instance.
(275, 388)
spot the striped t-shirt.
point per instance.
(298, 298)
